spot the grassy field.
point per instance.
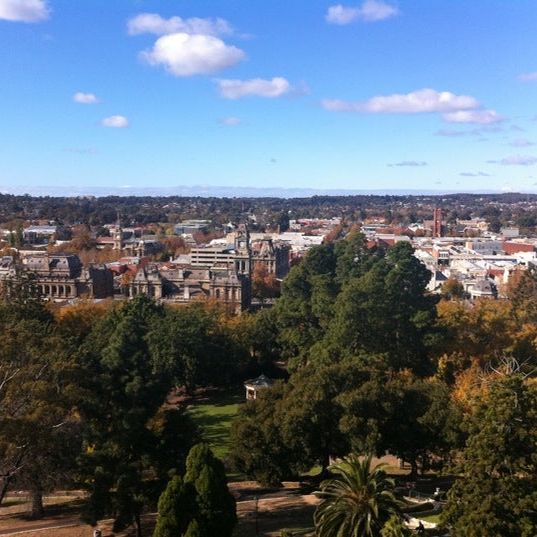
(214, 416)
(435, 519)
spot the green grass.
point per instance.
(435, 519)
(214, 418)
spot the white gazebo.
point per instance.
(254, 385)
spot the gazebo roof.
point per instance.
(260, 382)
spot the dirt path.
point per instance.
(38, 527)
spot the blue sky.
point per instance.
(411, 94)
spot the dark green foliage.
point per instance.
(132, 446)
(305, 306)
(309, 416)
(496, 495)
(354, 258)
(326, 411)
(175, 509)
(193, 347)
(194, 530)
(258, 447)
(200, 505)
(407, 416)
(386, 311)
(216, 511)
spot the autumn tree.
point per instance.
(496, 493)
(39, 428)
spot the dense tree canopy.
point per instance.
(496, 493)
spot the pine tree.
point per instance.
(174, 508)
(193, 530)
(215, 504)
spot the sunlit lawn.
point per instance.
(214, 418)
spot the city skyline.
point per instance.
(373, 95)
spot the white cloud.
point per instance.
(482, 117)
(528, 77)
(342, 15)
(411, 163)
(115, 122)
(152, 23)
(231, 121)
(463, 109)
(416, 102)
(516, 160)
(85, 98)
(369, 11)
(183, 54)
(24, 10)
(235, 89)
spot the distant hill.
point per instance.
(217, 191)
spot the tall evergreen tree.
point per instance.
(123, 456)
(216, 510)
(496, 495)
(175, 509)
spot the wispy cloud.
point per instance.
(410, 163)
(521, 142)
(528, 77)
(85, 98)
(453, 133)
(236, 89)
(152, 23)
(369, 11)
(474, 174)
(115, 122)
(182, 54)
(24, 10)
(416, 102)
(482, 117)
(231, 121)
(516, 160)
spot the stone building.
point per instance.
(244, 254)
(186, 284)
(60, 277)
(274, 256)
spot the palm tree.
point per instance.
(357, 502)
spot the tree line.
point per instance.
(84, 397)
(378, 366)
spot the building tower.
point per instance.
(437, 222)
(243, 254)
(118, 235)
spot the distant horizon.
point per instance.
(215, 191)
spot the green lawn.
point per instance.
(435, 519)
(214, 418)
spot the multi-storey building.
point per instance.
(59, 277)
